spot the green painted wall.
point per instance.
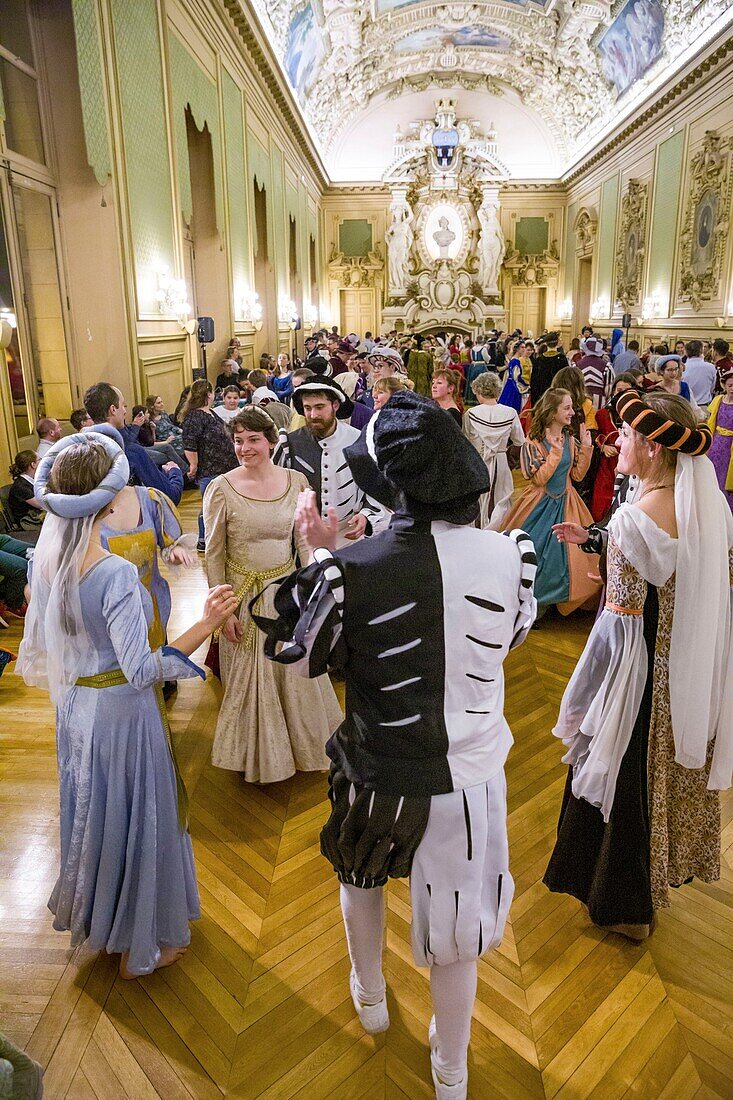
(531, 236)
(91, 84)
(278, 219)
(140, 75)
(572, 213)
(355, 237)
(667, 185)
(259, 169)
(236, 184)
(191, 87)
(607, 239)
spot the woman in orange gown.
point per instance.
(551, 460)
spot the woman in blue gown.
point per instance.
(127, 881)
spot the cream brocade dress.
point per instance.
(272, 722)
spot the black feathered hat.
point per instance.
(421, 452)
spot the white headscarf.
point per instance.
(56, 644)
(700, 667)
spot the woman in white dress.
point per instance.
(271, 721)
(492, 428)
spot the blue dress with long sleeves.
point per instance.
(127, 881)
(552, 584)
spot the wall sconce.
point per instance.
(565, 310)
(172, 297)
(8, 317)
(601, 308)
(311, 317)
(8, 324)
(251, 309)
(288, 312)
(651, 308)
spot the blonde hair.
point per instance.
(391, 384)
(79, 469)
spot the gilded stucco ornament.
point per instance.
(707, 219)
(631, 244)
(355, 271)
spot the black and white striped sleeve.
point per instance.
(282, 456)
(308, 633)
(527, 612)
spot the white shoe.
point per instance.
(442, 1091)
(374, 1018)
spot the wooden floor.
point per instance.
(260, 1006)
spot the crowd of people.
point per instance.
(359, 517)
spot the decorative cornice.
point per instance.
(266, 66)
(702, 72)
(337, 189)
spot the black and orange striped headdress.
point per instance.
(657, 428)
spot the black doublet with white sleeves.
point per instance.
(323, 463)
(419, 625)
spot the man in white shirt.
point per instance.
(699, 375)
(48, 431)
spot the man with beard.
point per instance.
(317, 450)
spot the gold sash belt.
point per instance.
(114, 678)
(254, 579)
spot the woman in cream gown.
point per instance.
(492, 428)
(272, 722)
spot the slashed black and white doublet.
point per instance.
(419, 621)
(324, 464)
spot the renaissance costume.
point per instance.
(323, 463)
(127, 881)
(720, 422)
(492, 429)
(550, 498)
(270, 723)
(647, 717)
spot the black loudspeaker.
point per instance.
(626, 320)
(297, 325)
(206, 330)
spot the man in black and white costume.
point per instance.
(419, 621)
(317, 450)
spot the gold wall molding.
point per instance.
(704, 235)
(631, 244)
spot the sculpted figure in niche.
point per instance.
(399, 243)
(444, 237)
(491, 246)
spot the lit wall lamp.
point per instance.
(600, 309)
(172, 297)
(8, 324)
(311, 317)
(251, 309)
(565, 310)
(288, 312)
(651, 308)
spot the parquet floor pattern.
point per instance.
(259, 1006)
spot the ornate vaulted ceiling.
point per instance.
(554, 76)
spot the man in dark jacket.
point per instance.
(546, 366)
(106, 405)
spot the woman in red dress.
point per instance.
(607, 443)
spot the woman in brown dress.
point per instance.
(272, 722)
(647, 716)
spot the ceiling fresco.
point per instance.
(561, 73)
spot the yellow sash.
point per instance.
(114, 678)
(254, 579)
(713, 425)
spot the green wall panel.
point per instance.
(355, 237)
(259, 169)
(236, 182)
(607, 239)
(667, 185)
(572, 213)
(140, 75)
(91, 85)
(191, 87)
(277, 219)
(531, 236)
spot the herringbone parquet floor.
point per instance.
(259, 1007)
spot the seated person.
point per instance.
(79, 419)
(24, 508)
(229, 404)
(48, 431)
(13, 576)
(159, 452)
(228, 374)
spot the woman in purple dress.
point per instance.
(720, 422)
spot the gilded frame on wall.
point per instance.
(631, 244)
(705, 225)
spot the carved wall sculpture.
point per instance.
(445, 240)
(355, 271)
(631, 244)
(707, 218)
(585, 229)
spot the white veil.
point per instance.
(56, 643)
